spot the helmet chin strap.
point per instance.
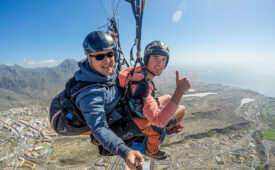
(151, 72)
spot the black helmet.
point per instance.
(98, 41)
(156, 48)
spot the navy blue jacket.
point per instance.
(95, 103)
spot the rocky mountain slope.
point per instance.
(20, 85)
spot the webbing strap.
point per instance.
(138, 14)
(106, 84)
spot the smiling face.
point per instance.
(156, 65)
(105, 65)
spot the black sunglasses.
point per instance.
(102, 56)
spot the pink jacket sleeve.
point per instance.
(158, 117)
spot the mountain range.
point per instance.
(20, 86)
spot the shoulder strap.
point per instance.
(78, 86)
(83, 88)
(155, 90)
(72, 89)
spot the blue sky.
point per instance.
(208, 32)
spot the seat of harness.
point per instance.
(136, 106)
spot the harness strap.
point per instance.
(80, 90)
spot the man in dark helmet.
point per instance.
(158, 116)
(97, 102)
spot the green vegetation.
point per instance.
(265, 114)
(269, 134)
(45, 146)
(261, 168)
(50, 166)
(267, 109)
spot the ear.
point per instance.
(89, 60)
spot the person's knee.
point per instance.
(181, 109)
(180, 113)
(163, 100)
(168, 96)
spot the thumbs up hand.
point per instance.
(182, 84)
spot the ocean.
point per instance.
(260, 79)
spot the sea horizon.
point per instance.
(238, 76)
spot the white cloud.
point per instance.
(177, 16)
(49, 61)
(41, 63)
